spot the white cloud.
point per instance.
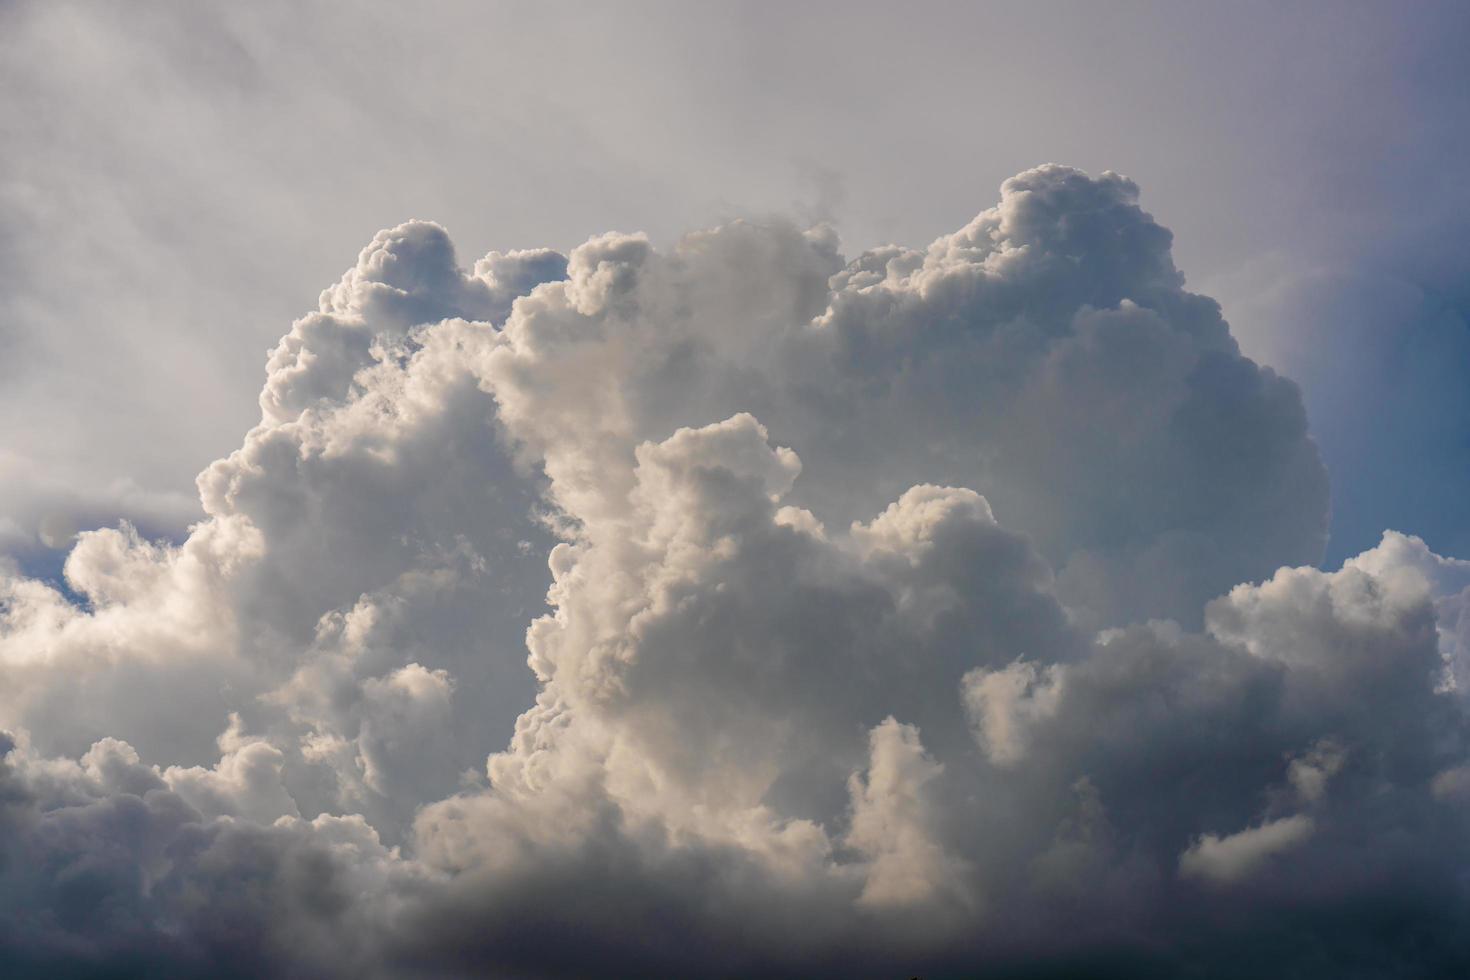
(1228, 859)
(779, 536)
(891, 821)
(1004, 704)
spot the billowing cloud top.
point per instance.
(893, 625)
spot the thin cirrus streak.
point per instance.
(893, 624)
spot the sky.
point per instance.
(822, 489)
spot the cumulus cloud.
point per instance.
(1227, 859)
(745, 608)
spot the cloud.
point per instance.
(890, 818)
(1005, 703)
(109, 871)
(1228, 859)
(928, 611)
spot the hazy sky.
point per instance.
(778, 489)
(180, 179)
